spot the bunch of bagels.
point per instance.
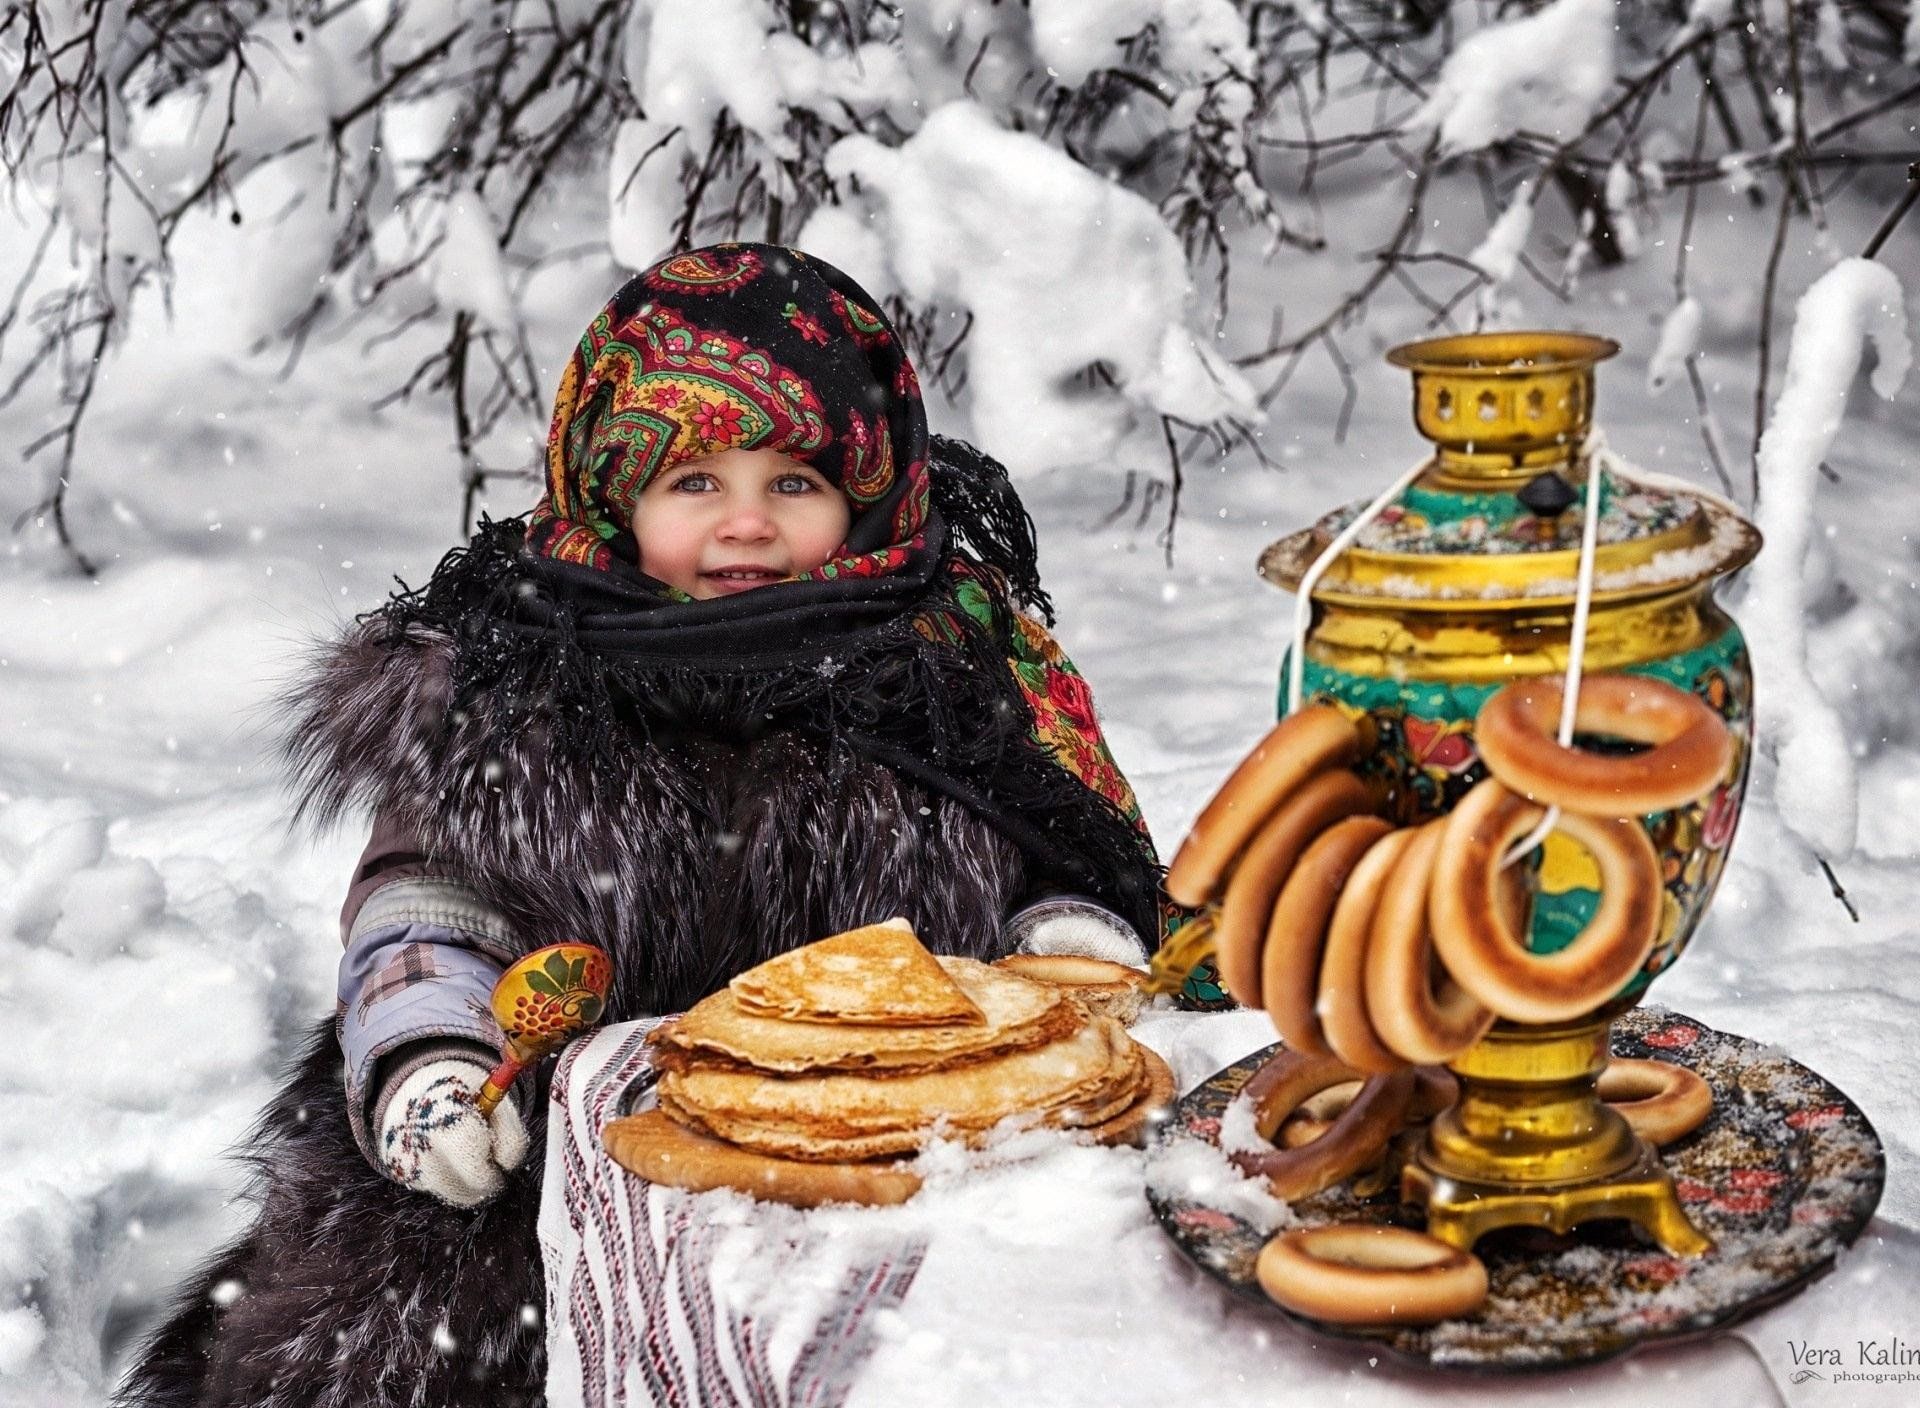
(1325, 913)
(1381, 952)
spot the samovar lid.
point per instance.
(1494, 520)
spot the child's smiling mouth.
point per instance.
(740, 577)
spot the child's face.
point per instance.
(736, 520)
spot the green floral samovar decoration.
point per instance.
(1463, 583)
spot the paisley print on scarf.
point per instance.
(714, 270)
(731, 347)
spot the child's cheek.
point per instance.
(669, 547)
(829, 537)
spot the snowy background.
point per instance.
(163, 938)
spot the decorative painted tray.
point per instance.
(1783, 1176)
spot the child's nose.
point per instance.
(746, 523)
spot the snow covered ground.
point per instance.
(162, 937)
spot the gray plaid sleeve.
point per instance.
(420, 965)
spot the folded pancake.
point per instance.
(1015, 1014)
(879, 975)
(1083, 1079)
(1108, 989)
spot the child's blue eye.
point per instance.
(793, 484)
(693, 483)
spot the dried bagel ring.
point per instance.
(1304, 743)
(1364, 1274)
(1240, 927)
(1479, 947)
(1415, 1020)
(1660, 1100)
(1435, 1088)
(1301, 1131)
(1341, 1002)
(1690, 753)
(1297, 931)
(1315, 1115)
(1355, 1139)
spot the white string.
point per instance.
(1597, 456)
(1303, 601)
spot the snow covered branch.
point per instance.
(1623, 112)
(409, 162)
(1856, 303)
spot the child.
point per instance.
(754, 671)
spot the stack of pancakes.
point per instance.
(863, 1046)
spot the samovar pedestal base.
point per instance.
(1530, 1143)
(1460, 1213)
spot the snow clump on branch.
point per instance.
(1855, 302)
(1544, 74)
(687, 66)
(1061, 270)
(1498, 255)
(1199, 39)
(1679, 340)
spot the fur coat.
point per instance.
(712, 851)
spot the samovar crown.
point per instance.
(1503, 406)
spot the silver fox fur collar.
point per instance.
(702, 858)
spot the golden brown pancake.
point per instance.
(1154, 1102)
(814, 1066)
(1108, 989)
(662, 1150)
(1014, 1014)
(1082, 1079)
(881, 975)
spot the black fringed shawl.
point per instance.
(908, 646)
(915, 671)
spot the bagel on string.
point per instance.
(1516, 899)
(1661, 1101)
(1416, 1020)
(1304, 743)
(1366, 1274)
(1476, 941)
(1341, 1000)
(1296, 934)
(1355, 1138)
(1241, 926)
(1689, 754)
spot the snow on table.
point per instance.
(1033, 1273)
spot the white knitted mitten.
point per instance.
(433, 1139)
(1070, 924)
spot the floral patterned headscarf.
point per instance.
(737, 346)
